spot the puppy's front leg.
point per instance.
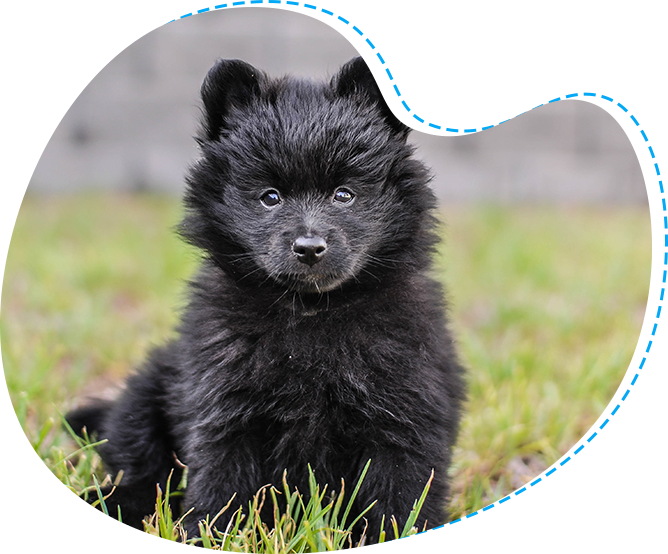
(215, 475)
(396, 479)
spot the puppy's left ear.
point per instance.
(356, 80)
(229, 83)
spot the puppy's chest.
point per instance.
(311, 370)
(320, 396)
(292, 369)
(330, 374)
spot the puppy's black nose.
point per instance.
(309, 250)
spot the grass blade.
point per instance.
(354, 494)
(417, 506)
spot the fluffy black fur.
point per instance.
(328, 356)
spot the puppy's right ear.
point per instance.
(356, 80)
(229, 83)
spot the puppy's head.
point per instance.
(306, 186)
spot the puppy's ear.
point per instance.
(228, 83)
(355, 80)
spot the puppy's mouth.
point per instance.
(311, 282)
(321, 276)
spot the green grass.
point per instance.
(546, 305)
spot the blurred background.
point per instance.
(545, 253)
(132, 128)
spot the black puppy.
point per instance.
(313, 334)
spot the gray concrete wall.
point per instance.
(132, 127)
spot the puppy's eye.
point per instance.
(271, 198)
(344, 196)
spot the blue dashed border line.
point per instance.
(584, 442)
